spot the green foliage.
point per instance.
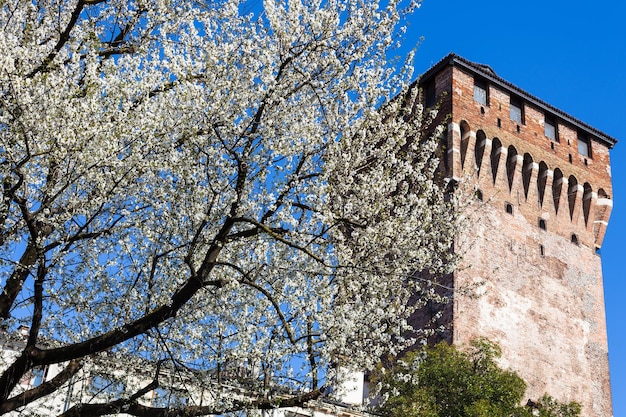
(549, 407)
(443, 381)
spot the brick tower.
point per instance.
(544, 181)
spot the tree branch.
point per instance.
(113, 407)
(268, 230)
(146, 322)
(42, 390)
(13, 285)
(136, 409)
(65, 36)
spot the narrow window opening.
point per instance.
(570, 158)
(542, 250)
(481, 92)
(479, 195)
(552, 146)
(430, 94)
(509, 208)
(518, 129)
(584, 147)
(39, 375)
(542, 224)
(517, 110)
(574, 239)
(550, 129)
(499, 123)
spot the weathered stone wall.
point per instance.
(532, 243)
(545, 311)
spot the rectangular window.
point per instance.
(39, 375)
(550, 129)
(517, 110)
(430, 96)
(481, 92)
(584, 147)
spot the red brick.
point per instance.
(540, 294)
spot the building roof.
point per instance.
(486, 72)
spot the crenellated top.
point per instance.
(526, 155)
(554, 197)
(486, 78)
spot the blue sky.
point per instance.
(572, 54)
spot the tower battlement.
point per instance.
(544, 180)
(560, 197)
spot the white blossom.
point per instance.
(214, 184)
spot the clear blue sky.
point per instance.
(572, 54)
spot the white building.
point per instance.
(95, 385)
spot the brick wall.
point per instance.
(531, 245)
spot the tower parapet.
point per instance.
(545, 183)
